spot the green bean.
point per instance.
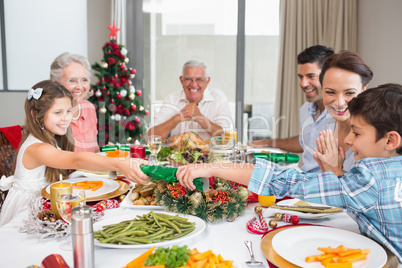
(179, 235)
(146, 228)
(170, 223)
(139, 233)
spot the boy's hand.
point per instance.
(187, 173)
(328, 154)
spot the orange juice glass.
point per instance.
(266, 201)
(231, 133)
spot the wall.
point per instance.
(99, 17)
(85, 35)
(379, 39)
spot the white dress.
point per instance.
(26, 186)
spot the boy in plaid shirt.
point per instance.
(371, 192)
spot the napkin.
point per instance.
(13, 135)
(309, 210)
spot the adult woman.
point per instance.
(344, 75)
(73, 72)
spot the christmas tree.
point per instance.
(119, 109)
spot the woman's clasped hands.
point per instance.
(328, 154)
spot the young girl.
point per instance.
(46, 150)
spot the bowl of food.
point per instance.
(187, 156)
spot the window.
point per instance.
(34, 39)
(178, 30)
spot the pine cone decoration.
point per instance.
(47, 215)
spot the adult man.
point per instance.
(313, 116)
(197, 108)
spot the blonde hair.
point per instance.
(35, 111)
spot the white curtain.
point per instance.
(304, 23)
(119, 17)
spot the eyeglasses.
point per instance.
(198, 80)
(75, 82)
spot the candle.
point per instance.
(137, 151)
(63, 187)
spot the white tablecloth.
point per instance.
(225, 238)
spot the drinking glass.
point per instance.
(65, 203)
(231, 133)
(154, 144)
(223, 149)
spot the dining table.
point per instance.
(227, 238)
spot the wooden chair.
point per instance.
(7, 156)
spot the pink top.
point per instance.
(85, 129)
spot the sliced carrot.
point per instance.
(339, 265)
(312, 258)
(354, 257)
(139, 261)
(98, 186)
(338, 249)
(349, 252)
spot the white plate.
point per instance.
(302, 215)
(80, 174)
(199, 228)
(127, 203)
(295, 244)
(107, 187)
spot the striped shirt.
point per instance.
(371, 193)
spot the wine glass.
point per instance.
(65, 202)
(154, 143)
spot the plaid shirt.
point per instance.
(371, 193)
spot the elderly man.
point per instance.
(197, 108)
(313, 116)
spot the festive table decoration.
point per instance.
(258, 210)
(41, 228)
(166, 174)
(224, 200)
(254, 227)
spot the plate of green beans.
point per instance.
(146, 229)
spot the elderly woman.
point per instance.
(73, 71)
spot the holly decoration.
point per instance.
(223, 201)
(118, 122)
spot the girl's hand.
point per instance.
(187, 173)
(131, 170)
(328, 154)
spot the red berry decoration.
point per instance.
(99, 208)
(133, 71)
(138, 93)
(119, 96)
(294, 219)
(146, 112)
